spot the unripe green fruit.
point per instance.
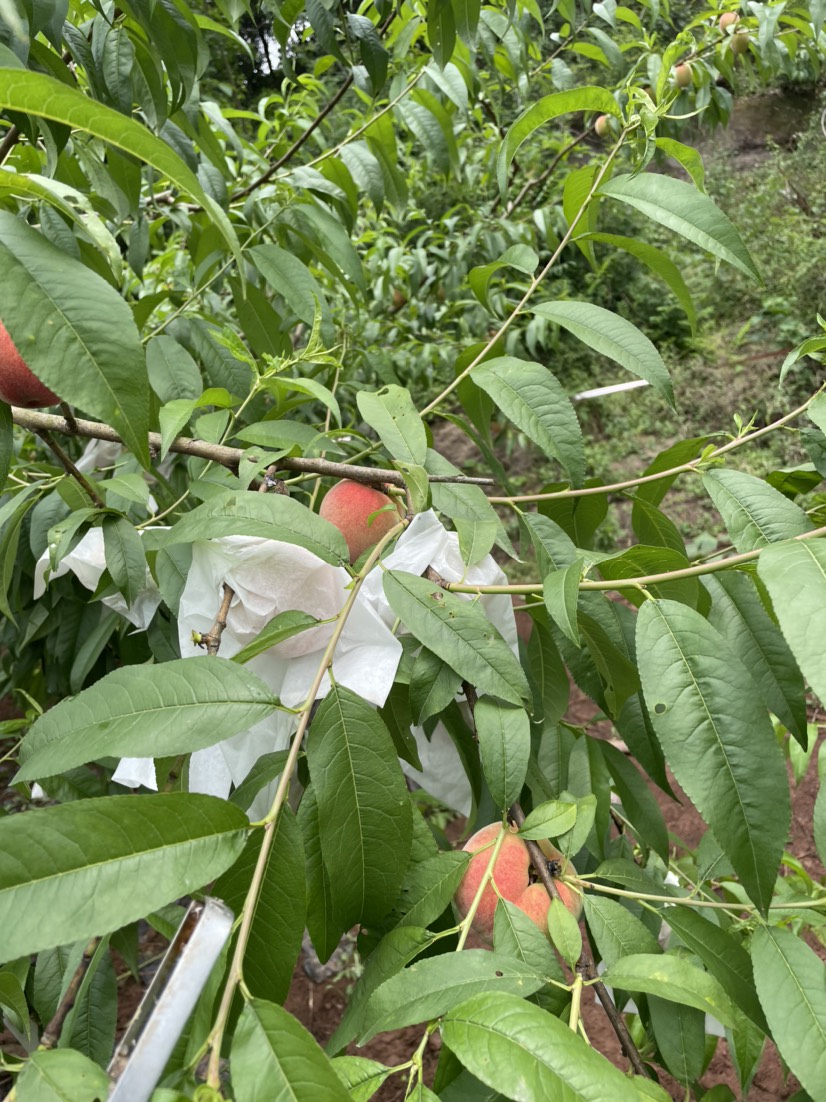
(682, 75)
(740, 42)
(511, 874)
(350, 507)
(18, 385)
(602, 127)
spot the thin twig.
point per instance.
(270, 482)
(8, 143)
(36, 421)
(71, 469)
(71, 422)
(585, 965)
(212, 639)
(51, 1034)
(543, 176)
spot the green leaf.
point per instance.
(638, 802)
(73, 329)
(616, 932)
(274, 1059)
(441, 30)
(430, 885)
(89, 867)
(530, 396)
(433, 685)
(61, 1075)
(391, 412)
(393, 952)
(282, 627)
(458, 632)
(291, 279)
(680, 1035)
(433, 986)
(548, 674)
(92, 1023)
(612, 336)
(13, 1002)
(528, 1055)
(723, 956)
(794, 573)
(173, 373)
(146, 711)
(791, 983)
(640, 562)
(657, 261)
(521, 257)
(364, 812)
(265, 770)
(672, 978)
(324, 932)
(755, 514)
(564, 931)
(361, 1077)
(517, 935)
(681, 207)
(560, 591)
(280, 911)
(545, 109)
(44, 97)
(554, 547)
(717, 737)
(549, 820)
(739, 615)
(687, 156)
(125, 559)
(270, 516)
(504, 734)
(6, 442)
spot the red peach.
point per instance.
(728, 19)
(350, 507)
(511, 874)
(18, 385)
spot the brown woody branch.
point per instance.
(38, 422)
(51, 1034)
(212, 638)
(585, 965)
(70, 468)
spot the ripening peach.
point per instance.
(682, 75)
(728, 19)
(602, 127)
(18, 385)
(351, 506)
(511, 874)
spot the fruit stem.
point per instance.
(467, 921)
(576, 1003)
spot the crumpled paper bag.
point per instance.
(269, 577)
(87, 562)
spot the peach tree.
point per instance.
(253, 250)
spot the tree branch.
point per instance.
(51, 1034)
(35, 421)
(585, 965)
(70, 468)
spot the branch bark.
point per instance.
(35, 421)
(585, 964)
(51, 1034)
